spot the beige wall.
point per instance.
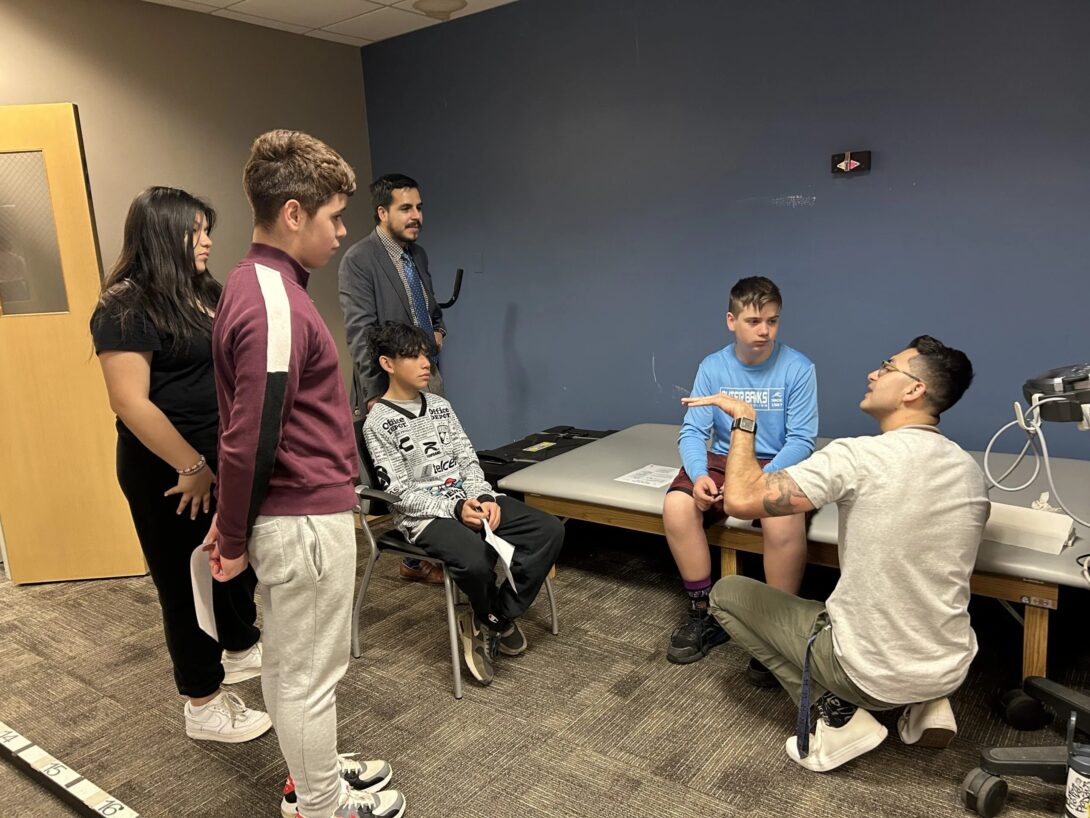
(173, 97)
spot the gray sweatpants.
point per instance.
(774, 626)
(306, 566)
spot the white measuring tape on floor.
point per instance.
(59, 778)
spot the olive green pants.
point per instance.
(774, 627)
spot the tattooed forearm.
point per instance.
(782, 495)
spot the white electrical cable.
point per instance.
(1031, 423)
(998, 482)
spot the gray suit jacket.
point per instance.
(372, 292)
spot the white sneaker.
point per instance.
(238, 667)
(832, 746)
(226, 719)
(928, 724)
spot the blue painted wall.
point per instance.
(604, 171)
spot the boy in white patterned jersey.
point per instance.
(423, 457)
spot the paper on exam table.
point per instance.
(650, 475)
(200, 573)
(504, 549)
(1044, 531)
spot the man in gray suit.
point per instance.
(385, 277)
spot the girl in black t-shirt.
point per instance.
(152, 330)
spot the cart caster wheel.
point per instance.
(1023, 712)
(984, 793)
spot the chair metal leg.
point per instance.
(452, 626)
(552, 604)
(364, 582)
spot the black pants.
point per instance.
(167, 540)
(537, 538)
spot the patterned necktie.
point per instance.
(416, 294)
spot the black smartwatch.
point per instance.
(745, 424)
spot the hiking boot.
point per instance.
(242, 665)
(364, 776)
(225, 719)
(512, 641)
(692, 639)
(479, 645)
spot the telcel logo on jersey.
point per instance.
(763, 400)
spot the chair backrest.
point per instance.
(368, 474)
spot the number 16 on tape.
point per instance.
(59, 778)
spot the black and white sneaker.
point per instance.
(695, 637)
(512, 641)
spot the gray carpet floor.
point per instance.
(593, 722)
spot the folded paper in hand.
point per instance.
(504, 549)
(201, 574)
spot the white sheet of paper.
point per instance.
(201, 574)
(504, 549)
(650, 475)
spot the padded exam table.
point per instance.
(581, 485)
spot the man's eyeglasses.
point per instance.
(888, 366)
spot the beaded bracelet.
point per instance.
(196, 467)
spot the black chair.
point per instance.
(984, 791)
(393, 542)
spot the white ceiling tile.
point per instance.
(187, 4)
(381, 24)
(340, 21)
(312, 14)
(322, 34)
(473, 6)
(260, 21)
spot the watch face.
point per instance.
(745, 424)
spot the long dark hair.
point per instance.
(156, 272)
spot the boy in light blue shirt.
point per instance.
(781, 384)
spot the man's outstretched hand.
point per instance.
(732, 406)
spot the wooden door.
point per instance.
(61, 512)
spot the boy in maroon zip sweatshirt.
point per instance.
(286, 465)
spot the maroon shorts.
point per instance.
(717, 468)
